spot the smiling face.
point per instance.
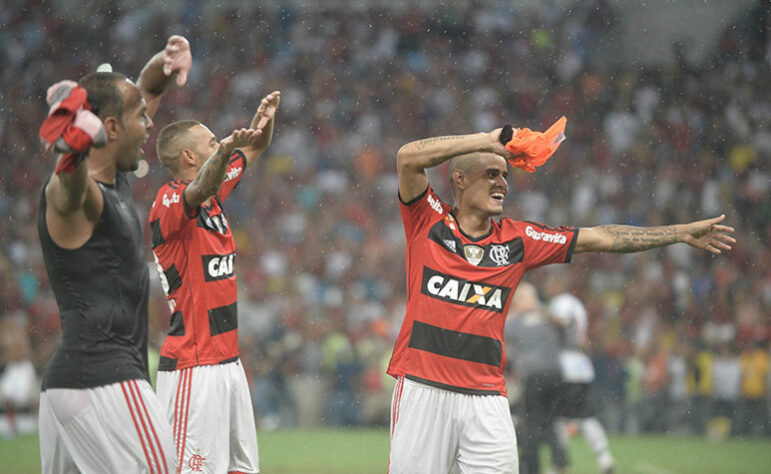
(480, 182)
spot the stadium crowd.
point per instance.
(678, 337)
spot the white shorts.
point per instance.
(113, 428)
(435, 430)
(212, 419)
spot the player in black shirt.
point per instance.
(98, 412)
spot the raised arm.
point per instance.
(212, 172)
(414, 158)
(263, 120)
(174, 60)
(708, 234)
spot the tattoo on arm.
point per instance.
(436, 161)
(423, 143)
(627, 239)
(210, 176)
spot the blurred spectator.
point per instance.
(677, 393)
(536, 339)
(754, 376)
(19, 389)
(655, 382)
(634, 393)
(699, 379)
(340, 359)
(726, 375)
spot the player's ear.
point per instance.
(459, 178)
(112, 127)
(187, 157)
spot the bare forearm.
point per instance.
(628, 239)
(209, 177)
(431, 152)
(152, 79)
(267, 132)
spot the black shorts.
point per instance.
(576, 400)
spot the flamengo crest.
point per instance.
(196, 462)
(499, 254)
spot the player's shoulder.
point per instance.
(431, 199)
(534, 230)
(169, 194)
(511, 226)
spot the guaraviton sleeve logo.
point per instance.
(463, 292)
(435, 204)
(555, 238)
(233, 173)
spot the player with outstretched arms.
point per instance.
(98, 412)
(201, 382)
(449, 407)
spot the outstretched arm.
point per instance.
(212, 173)
(708, 234)
(174, 60)
(414, 158)
(263, 120)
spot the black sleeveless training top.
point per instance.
(102, 291)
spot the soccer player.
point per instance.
(201, 382)
(449, 406)
(98, 412)
(536, 342)
(577, 370)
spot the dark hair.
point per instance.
(168, 146)
(105, 98)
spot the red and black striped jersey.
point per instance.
(458, 293)
(195, 256)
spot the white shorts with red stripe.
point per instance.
(212, 419)
(435, 430)
(114, 428)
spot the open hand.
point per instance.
(267, 109)
(709, 235)
(177, 58)
(240, 138)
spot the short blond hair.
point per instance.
(171, 141)
(464, 163)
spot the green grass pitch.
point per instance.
(354, 451)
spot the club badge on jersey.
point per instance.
(474, 253)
